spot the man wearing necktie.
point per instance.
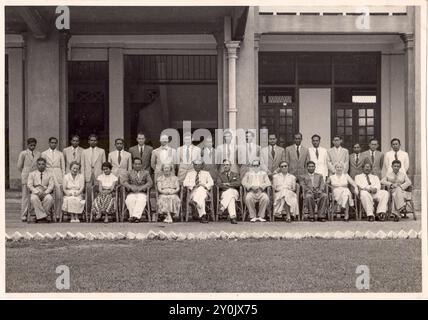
(370, 192)
(248, 152)
(297, 156)
(395, 154)
(92, 160)
(272, 155)
(163, 155)
(41, 185)
(374, 157)
(199, 183)
(337, 154)
(227, 150)
(27, 162)
(142, 151)
(208, 154)
(55, 165)
(187, 153)
(72, 153)
(319, 156)
(120, 159)
(356, 161)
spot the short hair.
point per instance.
(250, 132)
(227, 161)
(227, 131)
(283, 161)
(141, 134)
(298, 134)
(53, 138)
(137, 158)
(74, 136)
(272, 134)
(106, 165)
(310, 162)
(197, 161)
(339, 163)
(337, 136)
(356, 144)
(315, 136)
(373, 139)
(396, 139)
(41, 159)
(119, 139)
(168, 164)
(396, 161)
(92, 135)
(73, 163)
(368, 163)
(31, 140)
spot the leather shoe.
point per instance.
(322, 220)
(233, 221)
(371, 219)
(204, 219)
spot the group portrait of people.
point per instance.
(291, 183)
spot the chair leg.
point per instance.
(187, 208)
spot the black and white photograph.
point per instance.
(215, 148)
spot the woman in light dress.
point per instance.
(73, 186)
(342, 195)
(105, 202)
(168, 187)
(284, 188)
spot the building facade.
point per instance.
(119, 70)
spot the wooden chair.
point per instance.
(333, 205)
(269, 207)
(124, 212)
(209, 200)
(180, 212)
(409, 208)
(239, 203)
(286, 207)
(30, 207)
(95, 191)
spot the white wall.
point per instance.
(314, 115)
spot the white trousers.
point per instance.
(367, 200)
(228, 199)
(136, 203)
(41, 208)
(199, 195)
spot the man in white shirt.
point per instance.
(199, 182)
(73, 153)
(297, 157)
(337, 154)
(55, 165)
(248, 152)
(227, 151)
(319, 156)
(120, 159)
(395, 154)
(163, 154)
(256, 181)
(208, 155)
(186, 154)
(370, 191)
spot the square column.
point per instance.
(232, 55)
(116, 95)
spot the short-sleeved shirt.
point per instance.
(107, 181)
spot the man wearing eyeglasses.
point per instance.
(284, 188)
(256, 181)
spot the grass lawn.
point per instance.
(307, 265)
